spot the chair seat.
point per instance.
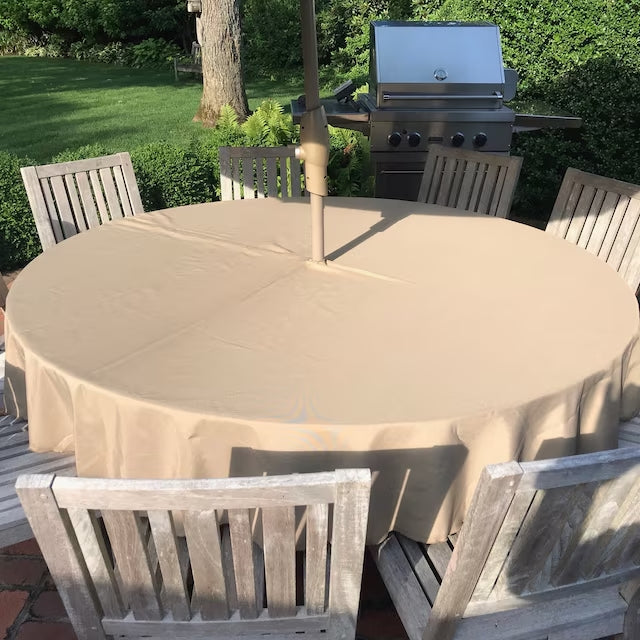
(629, 433)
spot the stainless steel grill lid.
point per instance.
(451, 65)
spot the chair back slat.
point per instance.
(261, 178)
(316, 572)
(111, 195)
(243, 566)
(279, 531)
(349, 514)
(97, 559)
(121, 189)
(86, 197)
(66, 197)
(56, 225)
(469, 180)
(74, 202)
(149, 580)
(226, 185)
(133, 557)
(61, 203)
(248, 178)
(98, 195)
(600, 214)
(174, 589)
(242, 172)
(272, 176)
(295, 168)
(204, 545)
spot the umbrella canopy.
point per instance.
(314, 132)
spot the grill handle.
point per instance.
(437, 96)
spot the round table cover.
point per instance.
(200, 342)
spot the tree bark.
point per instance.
(222, 76)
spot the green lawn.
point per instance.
(49, 105)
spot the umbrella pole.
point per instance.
(317, 228)
(314, 132)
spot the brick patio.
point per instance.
(30, 608)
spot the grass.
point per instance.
(50, 105)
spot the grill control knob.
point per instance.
(394, 139)
(414, 139)
(480, 139)
(457, 139)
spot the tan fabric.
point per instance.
(199, 341)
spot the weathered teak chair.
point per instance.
(250, 172)
(128, 573)
(70, 197)
(600, 215)
(469, 180)
(548, 550)
(629, 433)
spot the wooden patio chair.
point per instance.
(548, 549)
(470, 180)
(121, 569)
(70, 197)
(256, 172)
(600, 215)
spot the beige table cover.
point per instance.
(199, 341)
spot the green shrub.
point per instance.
(18, 237)
(169, 176)
(581, 57)
(154, 52)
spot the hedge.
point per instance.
(582, 58)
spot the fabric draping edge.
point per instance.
(581, 411)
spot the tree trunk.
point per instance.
(222, 78)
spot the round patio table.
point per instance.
(200, 342)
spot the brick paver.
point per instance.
(49, 605)
(11, 604)
(21, 570)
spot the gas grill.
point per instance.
(431, 82)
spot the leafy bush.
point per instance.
(581, 57)
(97, 21)
(154, 52)
(18, 237)
(169, 176)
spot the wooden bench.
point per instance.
(195, 66)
